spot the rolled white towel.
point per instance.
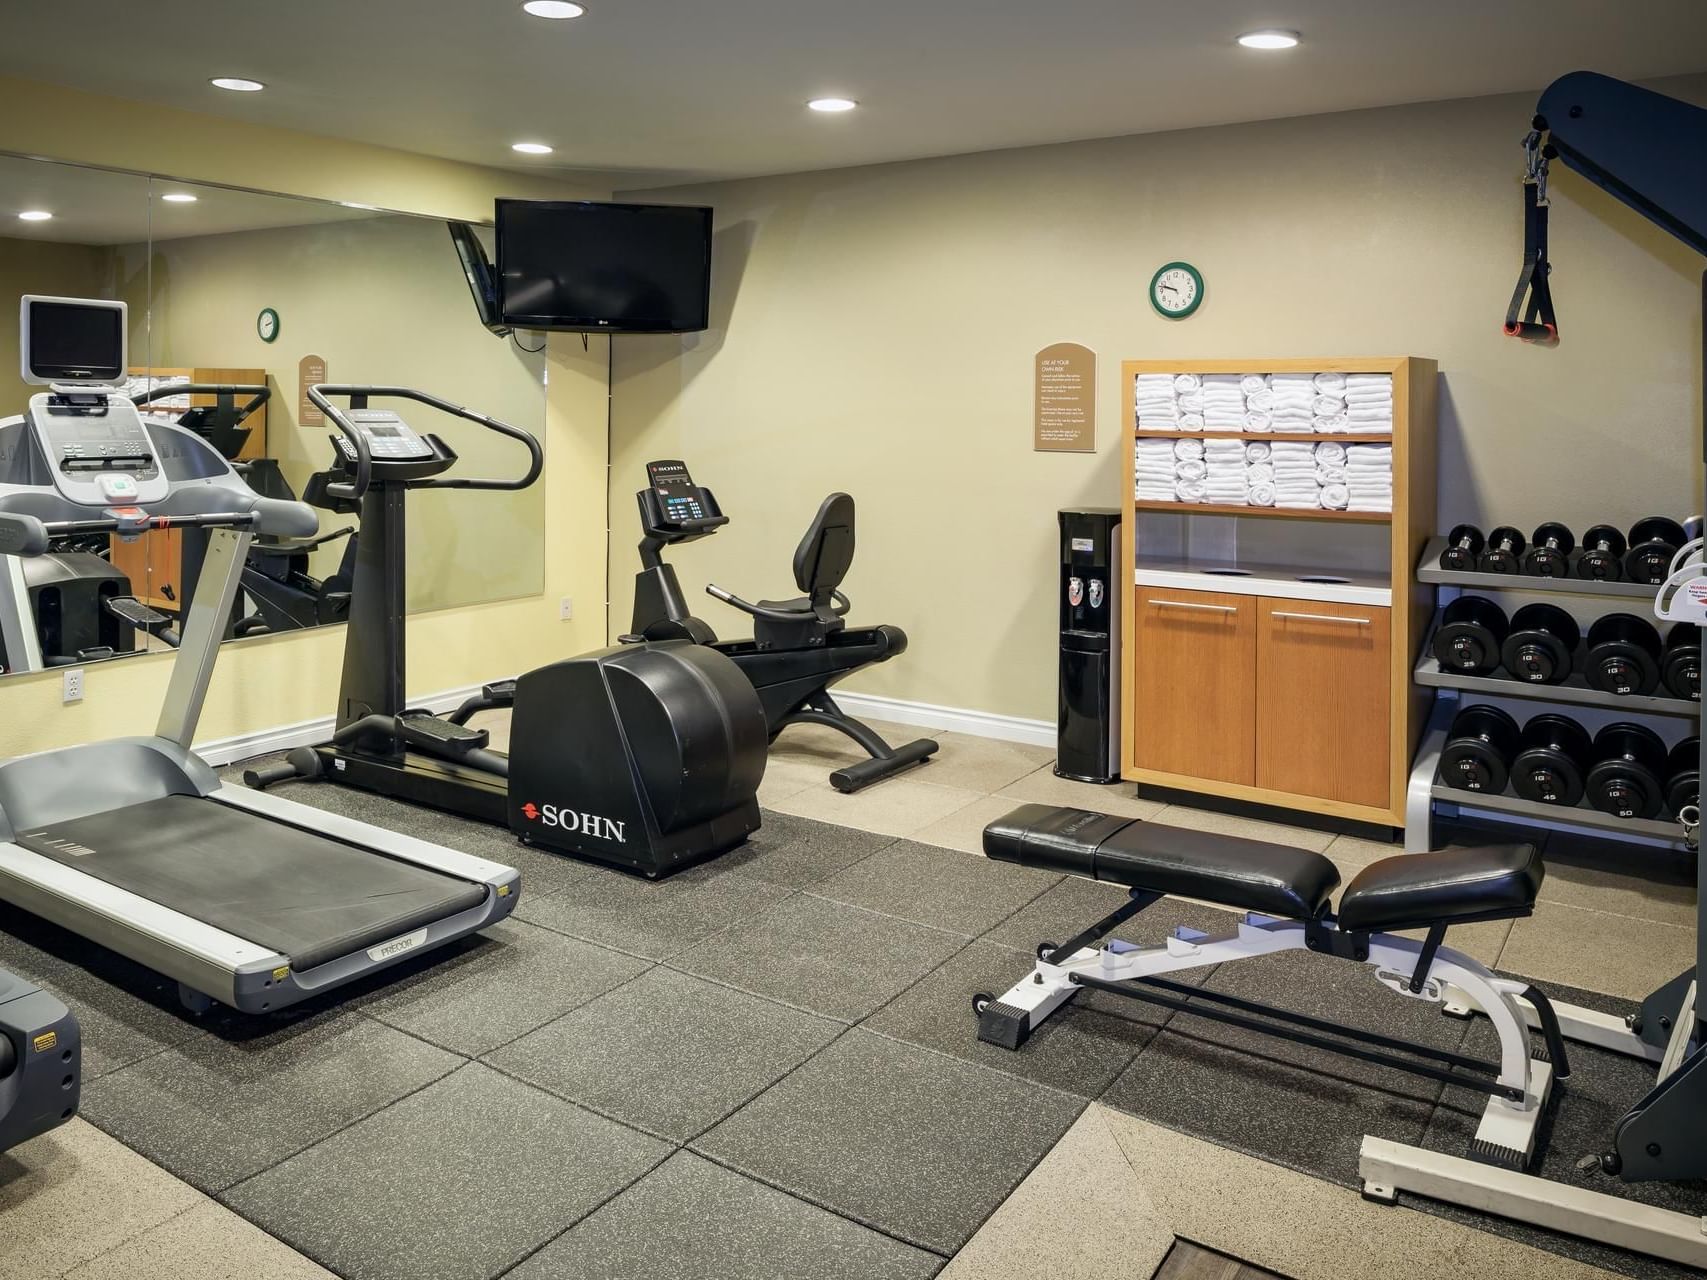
(1187, 382)
(1261, 494)
(1191, 422)
(1261, 402)
(1156, 495)
(1356, 413)
(1372, 428)
(1330, 475)
(1334, 497)
(1369, 453)
(1328, 406)
(1330, 384)
(1219, 448)
(1191, 469)
(1191, 402)
(1186, 449)
(1159, 381)
(1256, 420)
(1331, 452)
(1253, 383)
(1335, 426)
(1257, 451)
(1369, 380)
(1190, 490)
(1260, 473)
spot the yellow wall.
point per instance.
(875, 330)
(287, 679)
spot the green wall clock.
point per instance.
(1176, 290)
(267, 324)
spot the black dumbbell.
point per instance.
(1624, 780)
(1549, 554)
(1683, 777)
(1540, 644)
(1553, 754)
(1680, 664)
(1472, 628)
(1479, 748)
(1623, 654)
(1602, 557)
(1653, 542)
(1463, 545)
(1504, 552)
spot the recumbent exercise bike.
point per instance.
(800, 647)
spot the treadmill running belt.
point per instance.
(307, 897)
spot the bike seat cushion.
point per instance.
(1416, 890)
(826, 553)
(1253, 875)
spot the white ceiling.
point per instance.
(650, 91)
(99, 207)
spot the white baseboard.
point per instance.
(980, 724)
(222, 751)
(927, 715)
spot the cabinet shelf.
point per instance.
(1308, 437)
(1580, 815)
(1575, 691)
(1264, 513)
(1429, 570)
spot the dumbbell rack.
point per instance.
(1427, 798)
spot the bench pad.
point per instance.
(1416, 890)
(1274, 879)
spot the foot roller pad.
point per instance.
(1004, 1025)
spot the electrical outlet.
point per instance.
(73, 687)
(566, 609)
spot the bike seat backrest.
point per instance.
(824, 555)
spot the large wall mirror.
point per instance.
(254, 290)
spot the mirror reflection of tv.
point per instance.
(595, 267)
(477, 270)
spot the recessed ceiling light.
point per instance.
(178, 197)
(35, 215)
(553, 9)
(832, 105)
(237, 84)
(1269, 39)
(531, 148)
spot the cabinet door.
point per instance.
(1194, 690)
(1323, 700)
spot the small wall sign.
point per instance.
(1065, 399)
(309, 370)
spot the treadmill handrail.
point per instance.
(536, 456)
(25, 535)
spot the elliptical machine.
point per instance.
(648, 758)
(800, 647)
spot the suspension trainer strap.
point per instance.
(1530, 315)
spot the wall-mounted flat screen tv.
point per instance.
(591, 266)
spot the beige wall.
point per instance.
(292, 678)
(875, 329)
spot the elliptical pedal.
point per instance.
(139, 615)
(436, 734)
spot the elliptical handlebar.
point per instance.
(318, 394)
(260, 393)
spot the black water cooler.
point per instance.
(1088, 734)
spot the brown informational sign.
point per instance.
(309, 370)
(1066, 399)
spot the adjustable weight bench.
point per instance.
(1285, 892)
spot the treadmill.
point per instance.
(246, 899)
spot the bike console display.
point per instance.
(673, 508)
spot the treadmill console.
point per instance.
(389, 438)
(99, 452)
(681, 499)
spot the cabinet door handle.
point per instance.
(1183, 604)
(1322, 617)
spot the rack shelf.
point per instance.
(1429, 570)
(1266, 513)
(1577, 815)
(1308, 437)
(1575, 690)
